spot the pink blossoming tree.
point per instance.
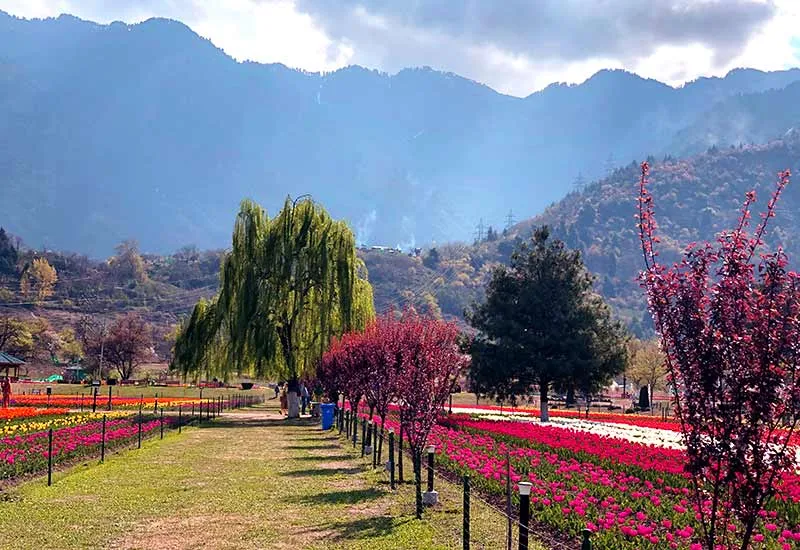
(729, 319)
(383, 341)
(432, 360)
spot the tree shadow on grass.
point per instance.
(366, 528)
(322, 436)
(231, 421)
(312, 447)
(313, 472)
(348, 497)
(322, 458)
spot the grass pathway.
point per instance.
(247, 480)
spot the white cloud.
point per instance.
(268, 32)
(323, 36)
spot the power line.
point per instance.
(479, 231)
(509, 220)
(580, 182)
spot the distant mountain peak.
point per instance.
(149, 130)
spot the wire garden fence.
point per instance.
(38, 452)
(518, 527)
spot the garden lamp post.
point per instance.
(430, 497)
(524, 513)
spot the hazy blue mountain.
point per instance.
(150, 131)
(743, 118)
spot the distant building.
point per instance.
(385, 249)
(9, 363)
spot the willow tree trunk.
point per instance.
(292, 399)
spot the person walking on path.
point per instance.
(6, 392)
(284, 402)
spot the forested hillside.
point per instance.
(695, 198)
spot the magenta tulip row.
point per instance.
(630, 495)
(28, 454)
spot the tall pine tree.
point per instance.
(543, 327)
(8, 255)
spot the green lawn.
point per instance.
(248, 480)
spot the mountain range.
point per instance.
(695, 199)
(150, 131)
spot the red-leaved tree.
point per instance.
(432, 362)
(729, 319)
(383, 342)
(353, 367)
(129, 344)
(330, 372)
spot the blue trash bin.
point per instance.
(326, 410)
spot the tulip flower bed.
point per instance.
(55, 421)
(28, 454)
(14, 414)
(630, 495)
(75, 401)
(643, 421)
(640, 421)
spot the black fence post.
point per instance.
(155, 405)
(369, 444)
(450, 409)
(431, 451)
(50, 457)
(140, 427)
(103, 441)
(524, 513)
(509, 524)
(466, 513)
(94, 400)
(363, 436)
(109, 397)
(162, 424)
(391, 459)
(180, 418)
(587, 543)
(376, 456)
(192, 417)
(400, 455)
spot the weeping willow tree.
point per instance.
(287, 286)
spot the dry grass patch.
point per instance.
(184, 533)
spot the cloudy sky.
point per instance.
(514, 46)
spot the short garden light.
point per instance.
(431, 497)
